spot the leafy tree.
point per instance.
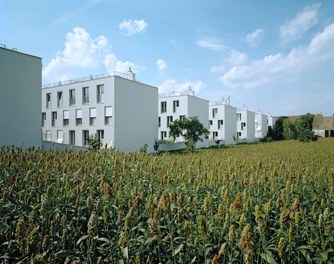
(94, 142)
(191, 129)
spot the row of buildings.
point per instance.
(123, 112)
(126, 114)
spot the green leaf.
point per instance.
(178, 249)
(268, 257)
(82, 239)
(125, 252)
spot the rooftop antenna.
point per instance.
(131, 75)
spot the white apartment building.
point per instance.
(120, 110)
(261, 125)
(178, 106)
(271, 121)
(20, 98)
(223, 121)
(246, 125)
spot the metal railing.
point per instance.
(89, 78)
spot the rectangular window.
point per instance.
(163, 134)
(243, 125)
(210, 122)
(48, 100)
(214, 112)
(53, 118)
(92, 116)
(175, 105)
(66, 118)
(43, 119)
(163, 107)
(48, 135)
(100, 93)
(214, 135)
(220, 124)
(239, 116)
(72, 137)
(85, 138)
(182, 117)
(85, 95)
(159, 121)
(72, 97)
(78, 117)
(100, 134)
(107, 115)
(60, 136)
(60, 99)
(169, 120)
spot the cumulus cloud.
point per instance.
(298, 63)
(172, 86)
(236, 58)
(161, 64)
(82, 52)
(255, 37)
(131, 27)
(211, 44)
(294, 28)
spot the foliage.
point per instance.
(143, 149)
(191, 129)
(285, 129)
(156, 145)
(261, 203)
(94, 142)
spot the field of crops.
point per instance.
(261, 203)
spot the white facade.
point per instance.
(223, 122)
(271, 121)
(120, 110)
(246, 125)
(261, 125)
(177, 106)
(20, 99)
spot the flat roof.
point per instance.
(4, 47)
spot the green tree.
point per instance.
(191, 129)
(94, 142)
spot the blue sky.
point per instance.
(272, 56)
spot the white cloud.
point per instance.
(82, 52)
(171, 86)
(255, 37)
(294, 28)
(236, 58)
(299, 63)
(210, 44)
(161, 64)
(216, 68)
(132, 27)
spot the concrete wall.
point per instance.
(189, 106)
(134, 112)
(228, 115)
(100, 108)
(230, 124)
(20, 99)
(247, 131)
(261, 125)
(136, 115)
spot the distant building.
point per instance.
(119, 110)
(271, 121)
(223, 122)
(178, 106)
(323, 126)
(246, 125)
(261, 125)
(20, 98)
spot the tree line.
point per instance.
(286, 129)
